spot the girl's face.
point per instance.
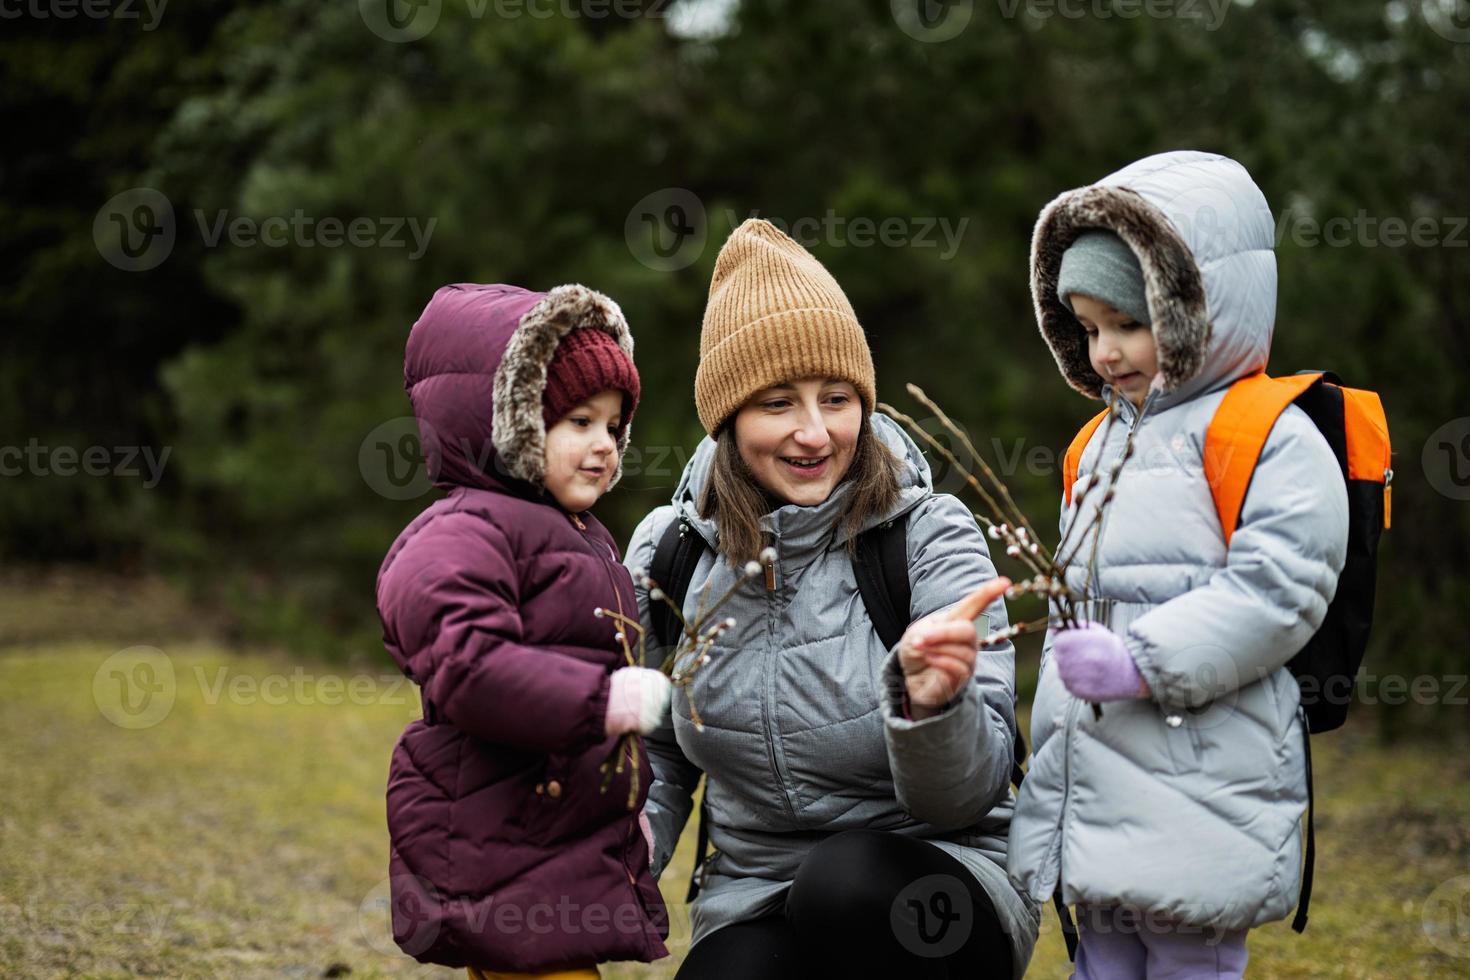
(798, 438)
(1121, 349)
(582, 451)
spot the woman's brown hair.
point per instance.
(736, 501)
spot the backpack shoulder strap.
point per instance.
(1238, 433)
(673, 566)
(881, 566)
(1073, 460)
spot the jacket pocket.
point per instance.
(1182, 737)
(566, 799)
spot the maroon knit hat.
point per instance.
(587, 361)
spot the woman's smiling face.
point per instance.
(798, 438)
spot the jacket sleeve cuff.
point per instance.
(1162, 690)
(898, 713)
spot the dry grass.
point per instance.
(240, 837)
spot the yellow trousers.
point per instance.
(591, 974)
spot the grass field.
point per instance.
(226, 819)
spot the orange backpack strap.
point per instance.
(1073, 459)
(1238, 433)
(1369, 452)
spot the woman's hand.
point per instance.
(937, 654)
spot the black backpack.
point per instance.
(881, 568)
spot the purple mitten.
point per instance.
(1096, 666)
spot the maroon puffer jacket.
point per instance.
(505, 853)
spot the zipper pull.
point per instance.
(770, 576)
(577, 521)
(1387, 499)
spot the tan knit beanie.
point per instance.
(774, 315)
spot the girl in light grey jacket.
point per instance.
(1172, 819)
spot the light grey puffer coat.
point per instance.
(1197, 824)
(804, 735)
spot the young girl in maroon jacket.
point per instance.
(509, 855)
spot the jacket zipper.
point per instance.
(768, 699)
(1068, 725)
(633, 827)
(1093, 572)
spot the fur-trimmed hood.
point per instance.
(1204, 236)
(475, 371)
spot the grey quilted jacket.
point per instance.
(804, 735)
(1188, 805)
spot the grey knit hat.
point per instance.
(1101, 265)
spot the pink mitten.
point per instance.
(647, 829)
(1095, 665)
(637, 700)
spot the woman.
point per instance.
(858, 799)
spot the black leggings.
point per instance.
(865, 904)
